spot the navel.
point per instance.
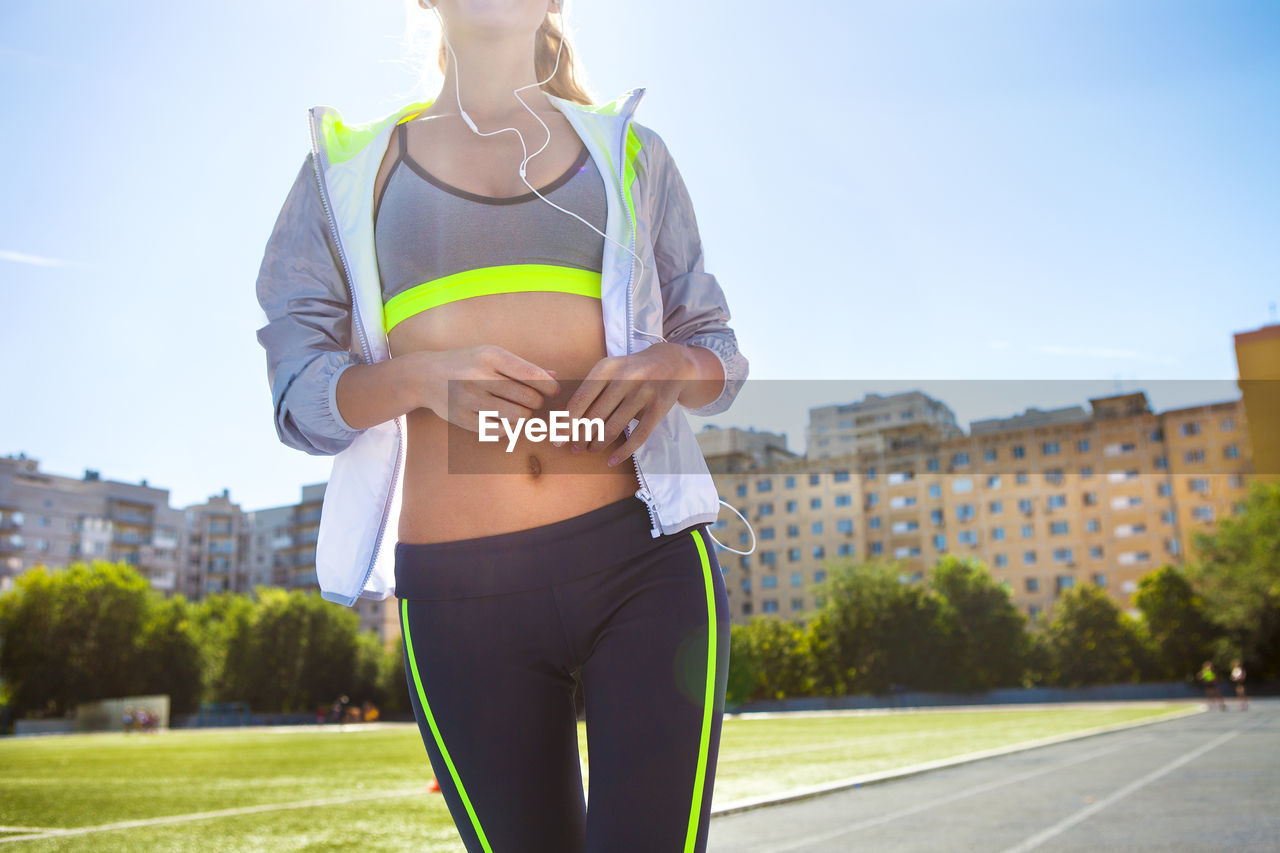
(535, 466)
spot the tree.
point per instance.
(988, 638)
(1090, 641)
(93, 631)
(295, 651)
(769, 658)
(1182, 635)
(1236, 568)
(875, 632)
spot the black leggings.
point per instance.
(493, 629)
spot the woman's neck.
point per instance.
(490, 72)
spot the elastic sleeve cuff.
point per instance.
(333, 399)
(732, 362)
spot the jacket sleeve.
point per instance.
(307, 337)
(695, 312)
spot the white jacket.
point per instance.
(319, 281)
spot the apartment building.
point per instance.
(840, 430)
(1046, 499)
(53, 520)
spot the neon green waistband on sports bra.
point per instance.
(510, 278)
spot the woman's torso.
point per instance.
(456, 487)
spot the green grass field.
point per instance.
(372, 780)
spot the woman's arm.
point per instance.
(307, 337)
(695, 313)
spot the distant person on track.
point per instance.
(1237, 678)
(1209, 679)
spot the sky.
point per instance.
(1005, 204)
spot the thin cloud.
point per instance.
(33, 260)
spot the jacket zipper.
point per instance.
(360, 333)
(643, 493)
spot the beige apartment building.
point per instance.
(1047, 500)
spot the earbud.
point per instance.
(466, 118)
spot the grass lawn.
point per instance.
(376, 777)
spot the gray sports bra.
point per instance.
(437, 243)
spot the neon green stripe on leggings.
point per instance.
(699, 779)
(426, 709)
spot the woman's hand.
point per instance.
(643, 386)
(458, 384)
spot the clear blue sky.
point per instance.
(891, 194)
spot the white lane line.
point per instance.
(950, 798)
(1070, 821)
(266, 807)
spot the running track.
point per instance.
(1208, 781)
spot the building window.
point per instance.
(792, 506)
(796, 580)
(766, 533)
(874, 523)
(1049, 448)
(993, 481)
(935, 490)
(764, 485)
(1021, 478)
(797, 604)
(793, 530)
(1062, 555)
(766, 509)
(813, 479)
(997, 534)
(932, 464)
(1082, 445)
(964, 512)
(1027, 531)
(935, 517)
(816, 528)
(819, 576)
(961, 485)
(961, 458)
(1100, 579)
(989, 455)
(845, 549)
(1057, 528)
(793, 555)
(769, 558)
(769, 605)
(1033, 584)
(844, 500)
(742, 490)
(877, 548)
(995, 507)
(1191, 428)
(790, 482)
(1001, 561)
(967, 537)
(768, 581)
(940, 541)
(1064, 582)
(1092, 525)
(819, 551)
(1231, 452)
(841, 476)
(1029, 557)
(1095, 552)
(844, 525)
(1019, 452)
